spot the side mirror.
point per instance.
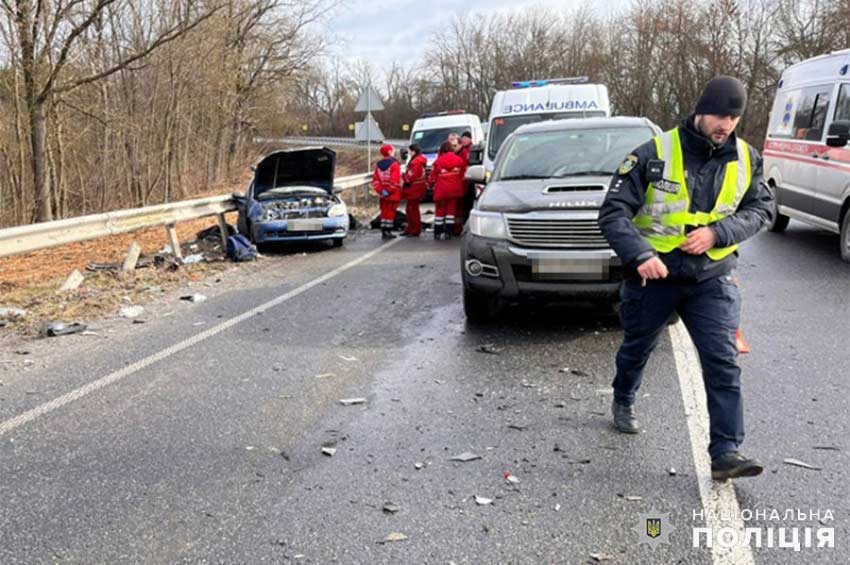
(476, 154)
(237, 195)
(838, 134)
(475, 173)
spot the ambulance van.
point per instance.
(806, 153)
(539, 100)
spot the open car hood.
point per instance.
(313, 167)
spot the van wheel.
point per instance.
(780, 221)
(845, 237)
(479, 308)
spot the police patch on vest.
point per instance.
(628, 164)
(666, 186)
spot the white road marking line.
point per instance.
(80, 392)
(717, 497)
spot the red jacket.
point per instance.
(447, 176)
(414, 176)
(386, 180)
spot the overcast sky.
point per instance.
(381, 32)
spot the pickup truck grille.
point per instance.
(556, 232)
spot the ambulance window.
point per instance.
(842, 108)
(819, 111)
(811, 113)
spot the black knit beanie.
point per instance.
(722, 96)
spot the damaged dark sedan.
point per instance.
(291, 198)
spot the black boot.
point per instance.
(449, 231)
(387, 234)
(438, 232)
(733, 465)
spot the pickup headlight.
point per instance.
(338, 211)
(268, 215)
(487, 224)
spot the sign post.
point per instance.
(369, 102)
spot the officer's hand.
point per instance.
(699, 241)
(653, 268)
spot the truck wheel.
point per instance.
(780, 221)
(479, 308)
(845, 237)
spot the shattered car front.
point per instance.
(291, 198)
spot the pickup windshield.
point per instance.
(573, 152)
(501, 128)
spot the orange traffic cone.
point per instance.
(743, 348)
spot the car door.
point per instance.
(786, 144)
(833, 172)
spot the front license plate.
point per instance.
(564, 268)
(304, 225)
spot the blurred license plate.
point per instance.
(304, 225)
(560, 267)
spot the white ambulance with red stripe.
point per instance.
(806, 152)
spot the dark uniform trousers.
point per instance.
(711, 312)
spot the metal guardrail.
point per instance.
(329, 141)
(23, 239)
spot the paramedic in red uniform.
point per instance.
(386, 181)
(447, 180)
(468, 190)
(414, 189)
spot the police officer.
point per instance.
(675, 212)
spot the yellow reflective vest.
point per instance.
(666, 210)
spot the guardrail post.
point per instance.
(171, 230)
(222, 226)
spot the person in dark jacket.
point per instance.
(386, 181)
(674, 214)
(414, 188)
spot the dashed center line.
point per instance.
(83, 391)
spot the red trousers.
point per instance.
(445, 212)
(414, 220)
(388, 208)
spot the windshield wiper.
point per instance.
(525, 177)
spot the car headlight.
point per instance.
(487, 224)
(268, 215)
(337, 211)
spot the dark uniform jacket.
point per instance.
(704, 173)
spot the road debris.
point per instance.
(803, 464)
(348, 358)
(325, 375)
(131, 259)
(391, 507)
(131, 311)
(73, 282)
(671, 471)
(557, 508)
(329, 451)
(418, 466)
(826, 447)
(351, 401)
(511, 478)
(12, 314)
(465, 457)
(197, 297)
(598, 557)
(632, 498)
(393, 537)
(488, 348)
(56, 329)
(518, 427)
(193, 259)
(482, 501)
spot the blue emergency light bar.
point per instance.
(548, 81)
(445, 113)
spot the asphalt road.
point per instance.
(197, 437)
